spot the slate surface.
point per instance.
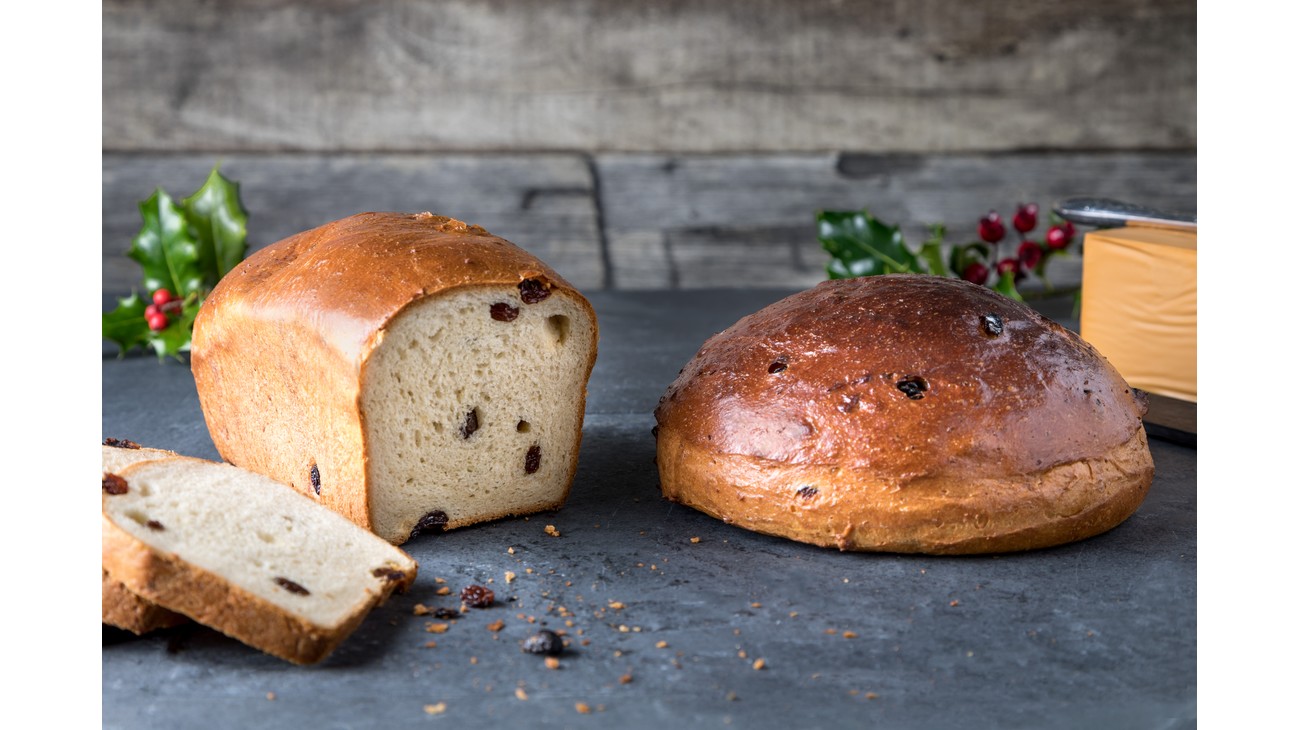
(1097, 634)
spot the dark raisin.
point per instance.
(155, 525)
(544, 642)
(913, 386)
(314, 475)
(114, 484)
(292, 587)
(849, 403)
(477, 596)
(503, 312)
(992, 324)
(807, 492)
(121, 443)
(778, 366)
(446, 613)
(388, 574)
(470, 425)
(533, 459)
(435, 519)
(533, 291)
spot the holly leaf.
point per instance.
(1006, 286)
(218, 223)
(126, 325)
(931, 251)
(164, 248)
(861, 245)
(174, 339)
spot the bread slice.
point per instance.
(245, 555)
(121, 607)
(410, 372)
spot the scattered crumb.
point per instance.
(618, 653)
(846, 580)
(443, 591)
(473, 660)
(436, 628)
(521, 694)
(731, 697)
(510, 551)
(552, 662)
(735, 632)
(970, 654)
(439, 580)
(760, 663)
(510, 577)
(430, 644)
(850, 634)
(582, 707)
(755, 604)
(617, 605)
(623, 629)
(270, 696)
(742, 654)
(496, 625)
(661, 645)
(530, 572)
(831, 631)
(420, 610)
(625, 679)
(637, 629)
(794, 614)
(550, 530)
(853, 693)
(695, 540)
(872, 695)
(954, 602)
(437, 709)
(568, 622)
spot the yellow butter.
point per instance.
(1139, 305)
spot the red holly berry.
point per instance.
(151, 310)
(1058, 237)
(157, 321)
(162, 296)
(1026, 219)
(976, 273)
(991, 228)
(1008, 264)
(1030, 254)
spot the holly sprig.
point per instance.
(183, 248)
(862, 245)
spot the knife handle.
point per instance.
(1107, 212)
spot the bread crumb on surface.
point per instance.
(760, 664)
(661, 644)
(473, 660)
(872, 695)
(954, 602)
(437, 709)
(510, 551)
(520, 694)
(850, 634)
(420, 610)
(695, 540)
(439, 580)
(510, 576)
(436, 628)
(496, 625)
(270, 696)
(582, 708)
(550, 530)
(430, 644)
(617, 605)
(443, 591)
(625, 679)
(755, 604)
(552, 662)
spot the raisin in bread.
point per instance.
(121, 607)
(245, 555)
(904, 413)
(408, 371)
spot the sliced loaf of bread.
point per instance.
(245, 555)
(122, 608)
(411, 372)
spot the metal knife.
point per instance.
(1106, 212)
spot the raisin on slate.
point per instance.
(913, 386)
(314, 474)
(155, 525)
(503, 312)
(533, 291)
(121, 443)
(292, 587)
(446, 613)
(477, 596)
(388, 574)
(435, 519)
(533, 459)
(992, 324)
(470, 425)
(114, 484)
(807, 492)
(544, 642)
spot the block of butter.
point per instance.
(1139, 305)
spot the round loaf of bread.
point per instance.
(904, 413)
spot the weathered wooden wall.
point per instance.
(649, 75)
(647, 143)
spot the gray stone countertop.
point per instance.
(1101, 633)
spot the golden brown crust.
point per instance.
(126, 610)
(281, 344)
(921, 427)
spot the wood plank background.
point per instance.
(639, 144)
(636, 75)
